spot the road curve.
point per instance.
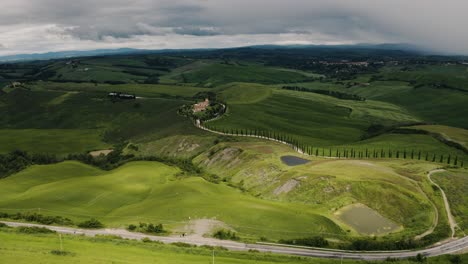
(446, 248)
(451, 219)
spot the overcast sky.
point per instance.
(32, 26)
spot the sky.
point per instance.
(37, 26)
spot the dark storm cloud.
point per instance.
(38, 25)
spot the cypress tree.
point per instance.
(434, 158)
(389, 153)
(398, 154)
(404, 154)
(323, 152)
(419, 155)
(441, 158)
(461, 164)
(412, 154)
(448, 159)
(367, 152)
(455, 162)
(316, 152)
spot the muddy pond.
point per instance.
(365, 220)
(293, 160)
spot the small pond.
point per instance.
(293, 160)
(365, 220)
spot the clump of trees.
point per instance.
(38, 218)
(91, 223)
(18, 160)
(147, 228)
(316, 241)
(225, 235)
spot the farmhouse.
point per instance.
(118, 95)
(198, 107)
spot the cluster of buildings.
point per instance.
(199, 107)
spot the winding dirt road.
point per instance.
(451, 219)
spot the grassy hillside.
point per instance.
(151, 191)
(222, 73)
(53, 141)
(455, 185)
(244, 93)
(454, 134)
(391, 187)
(138, 120)
(110, 69)
(140, 90)
(315, 119)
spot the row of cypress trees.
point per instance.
(341, 152)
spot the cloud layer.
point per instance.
(54, 25)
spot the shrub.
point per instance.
(131, 227)
(146, 240)
(92, 223)
(182, 244)
(310, 241)
(34, 230)
(225, 235)
(60, 252)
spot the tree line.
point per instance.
(352, 152)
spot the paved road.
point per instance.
(446, 248)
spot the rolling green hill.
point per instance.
(151, 191)
(216, 74)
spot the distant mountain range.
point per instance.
(123, 51)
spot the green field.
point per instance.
(314, 119)
(140, 90)
(215, 74)
(151, 191)
(52, 141)
(454, 134)
(87, 119)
